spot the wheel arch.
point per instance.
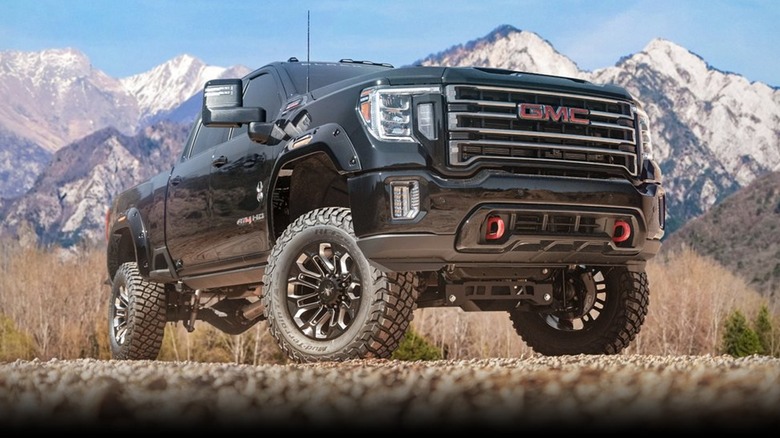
(128, 241)
(315, 173)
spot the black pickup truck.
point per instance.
(333, 198)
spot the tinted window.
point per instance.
(262, 91)
(207, 138)
(186, 151)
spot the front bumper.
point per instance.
(550, 221)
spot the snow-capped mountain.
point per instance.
(714, 131)
(68, 202)
(507, 48)
(56, 96)
(162, 89)
(738, 120)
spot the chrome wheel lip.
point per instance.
(323, 291)
(119, 318)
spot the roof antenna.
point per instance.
(308, 48)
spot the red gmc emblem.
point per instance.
(562, 114)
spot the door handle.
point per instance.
(251, 160)
(219, 161)
(176, 180)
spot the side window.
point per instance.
(208, 137)
(263, 92)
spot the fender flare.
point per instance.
(132, 222)
(330, 139)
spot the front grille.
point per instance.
(483, 125)
(556, 223)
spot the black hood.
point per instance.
(502, 78)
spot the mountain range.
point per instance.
(56, 97)
(71, 136)
(741, 233)
(67, 203)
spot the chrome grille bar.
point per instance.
(483, 125)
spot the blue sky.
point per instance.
(124, 37)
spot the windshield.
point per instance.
(322, 74)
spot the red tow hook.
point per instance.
(494, 228)
(622, 231)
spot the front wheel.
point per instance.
(136, 315)
(323, 299)
(610, 305)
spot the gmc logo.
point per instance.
(562, 114)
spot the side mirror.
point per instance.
(223, 105)
(265, 133)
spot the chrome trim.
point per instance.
(611, 115)
(454, 154)
(451, 93)
(512, 105)
(612, 126)
(467, 128)
(613, 141)
(584, 149)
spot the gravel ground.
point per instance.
(582, 393)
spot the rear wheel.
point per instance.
(136, 315)
(608, 308)
(323, 299)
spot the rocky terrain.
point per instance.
(576, 393)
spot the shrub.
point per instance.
(739, 339)
(762, 325)
(416, 347)
(14, 344)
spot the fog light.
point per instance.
(621, 232)
(495, 227)
(406, 199)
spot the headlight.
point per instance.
(644, 134)
(387, 112)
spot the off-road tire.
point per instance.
(383, 312)
(625, 307)
(136, 315)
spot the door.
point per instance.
(240, 182)
(189, 230)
